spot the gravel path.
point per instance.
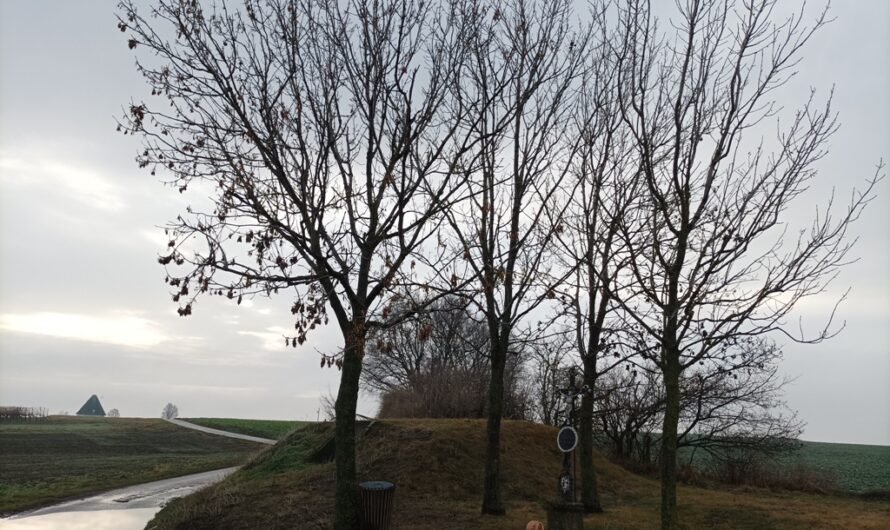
(208, 430)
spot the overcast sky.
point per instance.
(83, 306)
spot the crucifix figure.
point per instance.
(567, 439)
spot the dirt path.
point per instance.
(208, 430)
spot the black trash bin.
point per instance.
(377, 499)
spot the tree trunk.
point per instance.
(669, 520)
(627, 444)
(346, 497)
(589, 493)
(492, 503)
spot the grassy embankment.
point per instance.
(274, 429)
(61, 457)
(438, 466)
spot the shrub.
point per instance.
(746, 468)
(450, 392)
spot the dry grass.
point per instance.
(438, 466)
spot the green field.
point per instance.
(858, 468)
(850, 467)
(65, 456)
(274, 429)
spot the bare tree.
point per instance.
(436, 365)
(723, 409)
(326, 135)
(443, 335)
(713, 260)
(170, 411)
(328, 406)
(629, 409)
(526, 61)
(602, 191)
(548, 360)
(114, 413)
(737, 405)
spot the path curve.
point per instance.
(209, 430)
(148, 495)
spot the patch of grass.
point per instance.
(298, 451)
(67, 456)
(437, 466)
(274, 429)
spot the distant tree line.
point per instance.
(15, 413)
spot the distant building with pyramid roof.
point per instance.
(91, 408)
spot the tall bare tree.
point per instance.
(324, 138)
(526, 61)
(715, 262)
(602, 190)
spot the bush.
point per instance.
(751, 469)
(450, 392)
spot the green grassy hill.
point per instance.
(437, 466)
(274, 429)
(46, 461)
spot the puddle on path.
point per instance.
(127, 508)
(133, 519)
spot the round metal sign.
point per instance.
(567, 439)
